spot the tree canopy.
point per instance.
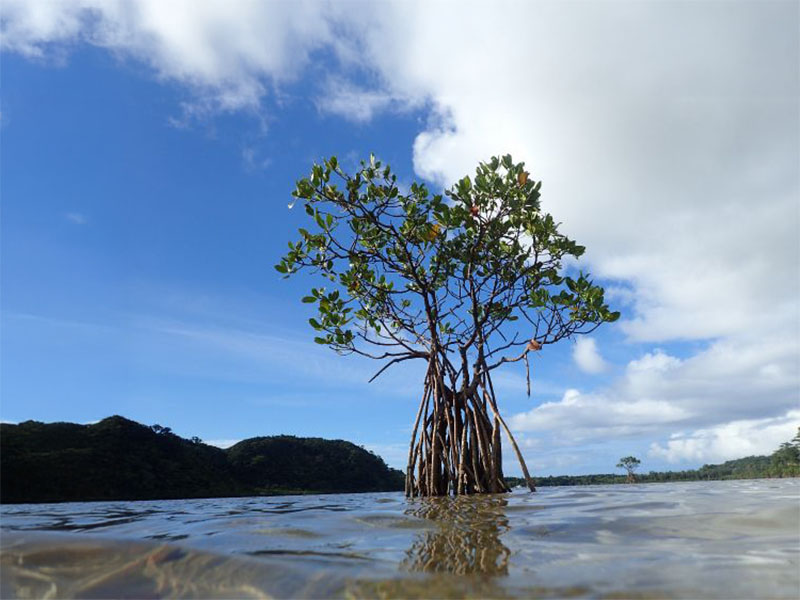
(411, 271)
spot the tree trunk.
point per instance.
(455, 445)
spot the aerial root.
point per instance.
(455, 444)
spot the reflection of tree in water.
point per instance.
(466, 538)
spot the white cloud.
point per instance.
(660, 393)
(224, 444)
(76, 218)
(352, 102)
(730, 440)
(27, 24)
(587, 356)
(253, 161)
(229, 55)
(585, 416)
(667, 145)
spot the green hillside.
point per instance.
(290, 462)
(119, 459)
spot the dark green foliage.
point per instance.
(630, 464)
(119, 459)
(113, 459)
(288, 462)
(787, 457)
(445, 273)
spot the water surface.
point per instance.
(735, 539)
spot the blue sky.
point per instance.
(149, 152)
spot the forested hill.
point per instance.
(290, 462)
(119, 459)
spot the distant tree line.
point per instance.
(784, 462)
(119, 459)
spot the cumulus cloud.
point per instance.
(27, 25)
(668, 145)
(583, 416)
(729, 440)
(587, 356)
(228, 55)
(715, 390)
(353, 102)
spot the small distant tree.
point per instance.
(630, 464)
(413, 276)
(160, 430)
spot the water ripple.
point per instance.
(698, 540)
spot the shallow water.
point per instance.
(734, 539)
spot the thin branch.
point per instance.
(397, 360)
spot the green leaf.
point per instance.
(396, 246)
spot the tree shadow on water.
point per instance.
(466, 539)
